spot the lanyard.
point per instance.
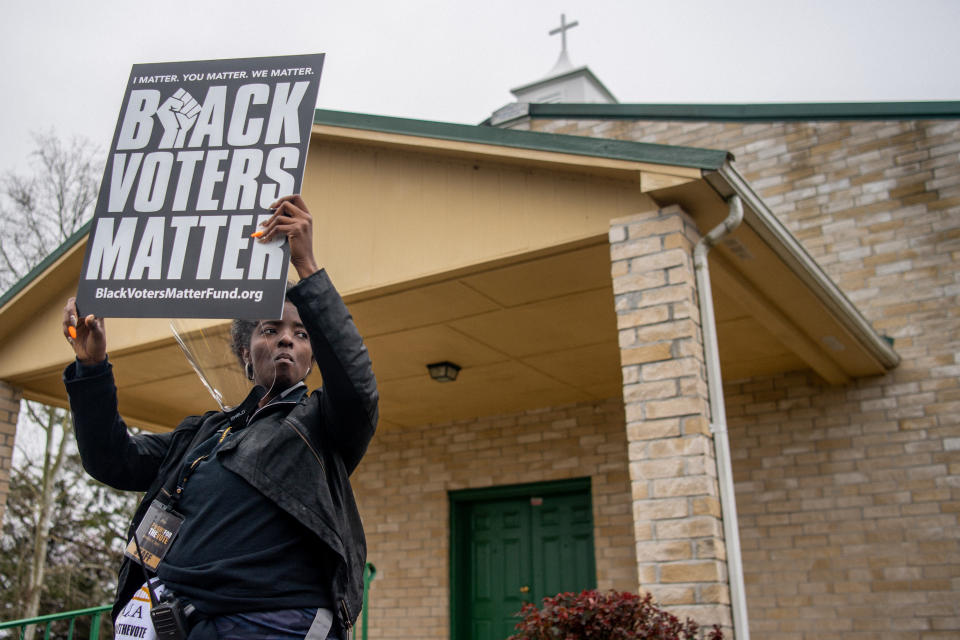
(188, 472)
(239, 416)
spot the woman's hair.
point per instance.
(240, 333)
(242, 330)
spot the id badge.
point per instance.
(134, 622)
(155, 534)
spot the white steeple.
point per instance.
(565, 83)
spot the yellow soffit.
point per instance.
(651, 176)
(19, 308)
(36, 306)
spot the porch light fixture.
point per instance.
(443, 371)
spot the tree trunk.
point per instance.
(54, 425)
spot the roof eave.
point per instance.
(728, 181)
(689, 157)
(45, 264)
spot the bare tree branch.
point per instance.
(49, 491)
(39, 211)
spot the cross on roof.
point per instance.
(562, 30)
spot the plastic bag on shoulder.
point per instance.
(213, 349)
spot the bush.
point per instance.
(616, 615)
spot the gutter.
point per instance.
(759, 218)
(747, 207)
(718, 417)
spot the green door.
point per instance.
(516, 547)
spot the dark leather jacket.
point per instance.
(300, 455)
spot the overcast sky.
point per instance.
(65, 64)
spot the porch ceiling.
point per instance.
(535, 332)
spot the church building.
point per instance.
(708, 352)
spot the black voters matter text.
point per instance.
(200, 152)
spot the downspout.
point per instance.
(718, 416)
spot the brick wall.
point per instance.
(849, 497)
(9, 410)
(681, 551)
(848, 510)
(404, 479)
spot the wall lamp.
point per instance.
(443, 371)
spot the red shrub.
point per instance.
(614, 615)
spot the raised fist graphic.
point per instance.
(177, 114)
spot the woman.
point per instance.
(269, 543)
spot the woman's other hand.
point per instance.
(86, 335)
(292, 218)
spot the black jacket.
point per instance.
(300, 455)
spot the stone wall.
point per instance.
(849, 497)
(848, 509)
(681, 551)
(9, 410)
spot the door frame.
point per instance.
(459, 535)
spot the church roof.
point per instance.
(690, 157)
(500, 207)
(693, 157)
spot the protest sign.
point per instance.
(200, 151)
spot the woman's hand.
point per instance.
(292, 218)
(87, 337)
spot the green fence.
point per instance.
(70, 617)
(369, 573)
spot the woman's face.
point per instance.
(280, 351)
